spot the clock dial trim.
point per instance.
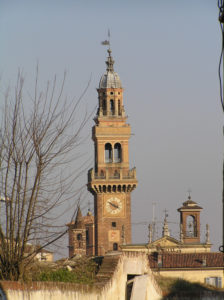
(114, 205)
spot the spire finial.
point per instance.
(165, 225)
(207, 234)
(110, 61)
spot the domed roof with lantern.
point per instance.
(110, 79)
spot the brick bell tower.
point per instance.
(111, 181)
(190, 221)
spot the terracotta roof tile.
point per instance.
(187, 260)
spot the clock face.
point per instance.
(114, 205)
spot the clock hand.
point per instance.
(114, 205)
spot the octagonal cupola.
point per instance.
(110, 93)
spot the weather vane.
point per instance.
(106, 42)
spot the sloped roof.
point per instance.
(190, 204)
(79, 220)
(187, 260)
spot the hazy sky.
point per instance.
(166, 53)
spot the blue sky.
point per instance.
(166, 53)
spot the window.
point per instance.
(112, 107)
(113, 224)
(115, 246)
(214, 281)
(116, 174)
(119, 107)
(87, 237)
(117, 153)
(111, 93)
(104, 107)
(108, 153)
(79, 237)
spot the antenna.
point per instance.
(153, 221)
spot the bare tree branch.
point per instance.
(38, 141)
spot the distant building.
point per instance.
(187, 258)
(41, 255)
(81, 235)
(189, 241)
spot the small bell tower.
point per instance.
(190, 221)
(77, 235)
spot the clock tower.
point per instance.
(111, 181)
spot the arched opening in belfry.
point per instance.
(115, 246)
(191, 228)
(114, 188)
(112, 107)
(119, 107)
(117, 153)
(104, 106)
(108, 153)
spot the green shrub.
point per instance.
(83, 272)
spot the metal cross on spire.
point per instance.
(189, 193)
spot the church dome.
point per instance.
(110, 79)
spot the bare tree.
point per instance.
(220, 4)
(38, 141)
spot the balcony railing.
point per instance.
(131, 174)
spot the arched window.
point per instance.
(108, 153)
(104, 107)
(112, 107)
(116, 174)
(117, 153)
(115, 246)
(119, 107)
(191, 227)
(79, 237)
(87, 237)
